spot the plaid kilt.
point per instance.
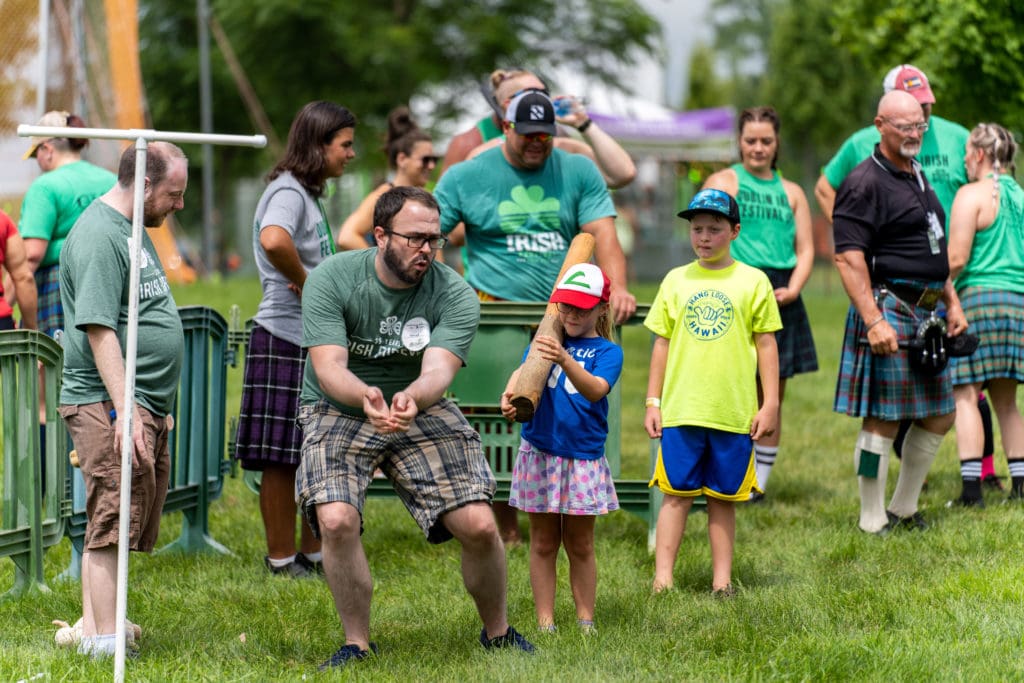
(49, 311)
(885, 387)
(997, 318)
(267, 431)
(795, 342)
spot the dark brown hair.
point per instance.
(403, 134)
(314, 126)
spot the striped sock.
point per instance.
(970, 472)
(1017, 477)
(764, 458)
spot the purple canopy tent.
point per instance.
(698, 135)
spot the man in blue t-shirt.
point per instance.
(523, 202)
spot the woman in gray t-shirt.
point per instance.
(291, 236)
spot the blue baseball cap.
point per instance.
(716, 202)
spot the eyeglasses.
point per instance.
(908, 128)
(569, 309)
(417, 241)
(428, 159)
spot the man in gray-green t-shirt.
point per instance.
(94, 286)
(387, 329)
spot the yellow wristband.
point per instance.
(653, 402)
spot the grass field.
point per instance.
(818, 600)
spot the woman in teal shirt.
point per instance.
(51, 206)
(775, 236)
(986, 260)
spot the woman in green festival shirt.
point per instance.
(775, 236)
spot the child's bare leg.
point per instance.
(722, 535)
(545, 539)
(668, 534)
(578, 538)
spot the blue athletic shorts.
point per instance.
(699, 460)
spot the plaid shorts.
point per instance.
(93, 434)
(997, 317)
(795, 341)
(267, 432)
(885, 387)
(435, 467)
(49, 312)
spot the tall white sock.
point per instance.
(764, 458)
(871, 462)
(919, 449)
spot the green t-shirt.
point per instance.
(997, 253)
(767, 236)
(385, 330)
(710, 318)
(519, 223)
(56, 199)
(942, 157)
(94, 281)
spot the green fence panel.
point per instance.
(198, 459)
(32, 517)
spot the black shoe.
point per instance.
(966, 502)
(755, 497)
(511, 639)
(345, 654)
(292, 570)
(914, 522)
(312, 567)
(992, 482)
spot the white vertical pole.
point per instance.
(44, 54)
(127, 407)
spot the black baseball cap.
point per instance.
(531, 111)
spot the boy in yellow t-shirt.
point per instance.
(715, 320)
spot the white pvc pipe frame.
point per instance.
(142, 139)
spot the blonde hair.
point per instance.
(999, 147)
(603, 326)
(501, 78)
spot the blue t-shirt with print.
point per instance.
(567, 424)
(519, 222)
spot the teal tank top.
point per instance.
(997, 254)
(767, 228)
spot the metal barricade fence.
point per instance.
(33, 518)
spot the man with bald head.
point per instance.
(891, 256)
(942, 145)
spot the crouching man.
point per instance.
(387, 328)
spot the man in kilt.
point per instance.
(891, 256)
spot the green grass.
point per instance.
(818, 601)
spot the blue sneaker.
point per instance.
(345, 654)
(511, 639)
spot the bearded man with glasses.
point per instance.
(387, 328)
(891, 255)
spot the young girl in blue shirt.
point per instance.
(561, 477)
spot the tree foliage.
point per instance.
(371, 56)
(970, 49)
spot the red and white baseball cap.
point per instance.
(909, 78)
(583, 286)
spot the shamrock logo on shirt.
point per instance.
(527, 202)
